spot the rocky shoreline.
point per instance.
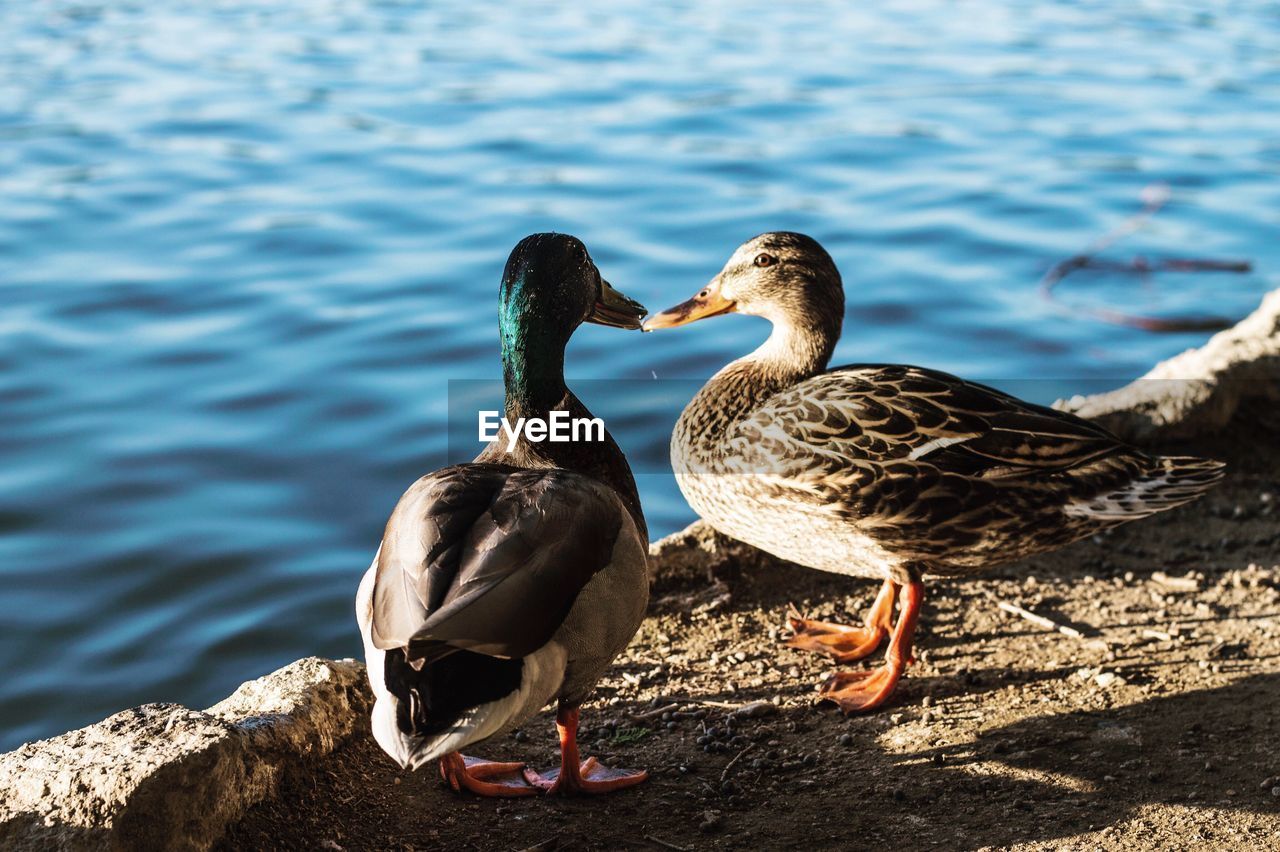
(165, 776)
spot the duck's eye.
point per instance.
(765, 259)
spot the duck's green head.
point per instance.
(549, 288)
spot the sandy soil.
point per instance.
(1160, 729)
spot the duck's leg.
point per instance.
(484, 777)
(576, 775)
(855, 691)
(846, 644)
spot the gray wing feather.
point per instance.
(490, 558)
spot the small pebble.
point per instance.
(711, 821)
(845, 739)
(521, 736)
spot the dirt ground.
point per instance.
(1159, 729)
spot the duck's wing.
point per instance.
(489, 558)
(947, 472)
(862, 416)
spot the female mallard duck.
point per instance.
(512, 581)
(885, 471)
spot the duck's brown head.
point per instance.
(785, 277)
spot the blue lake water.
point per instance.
(245, 246)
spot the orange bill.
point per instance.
(708, 303)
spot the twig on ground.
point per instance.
(1177, 584)
(1148, 633)
(654, 713)
(755, 710)
(705, 599)
(1046, 623)
(722, 705)
(732, 763)
(665, 844)
(1154, 197)
(549, 843)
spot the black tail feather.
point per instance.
(432, 698)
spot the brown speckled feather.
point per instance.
(925, 470)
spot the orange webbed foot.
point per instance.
(588, 776)
(841, 642)
(855, 692)
(592, 777)
(485, 777)
(858, 691)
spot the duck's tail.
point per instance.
(443, 705)
(1167, 482)
(423, 713)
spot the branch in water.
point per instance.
(1154, 197)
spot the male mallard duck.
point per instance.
(507, 583)
(886, 471)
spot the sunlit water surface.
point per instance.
(244, 246)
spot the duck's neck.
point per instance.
(533, 373)
(795, 351)
(797, 348)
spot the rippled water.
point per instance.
(244, 246)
